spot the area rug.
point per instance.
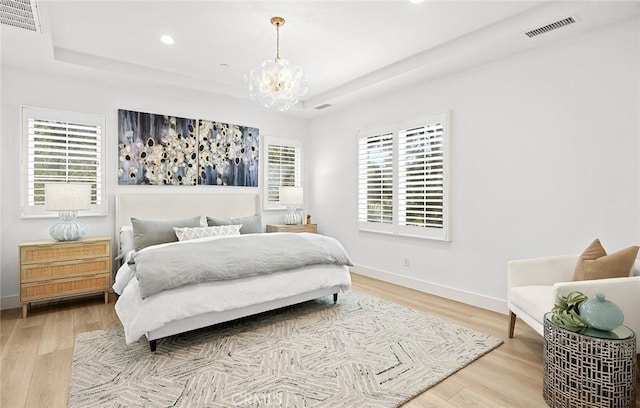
(361, 352)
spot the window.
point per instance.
(375, 179)
(284, 168)
(61, 147)
(403, 178)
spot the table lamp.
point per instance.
(291, 197)
(67, 199)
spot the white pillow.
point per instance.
(124, 275)
(126, 242)
(185, 234)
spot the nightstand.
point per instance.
(52, 269)
(292, 228)
(589, 369)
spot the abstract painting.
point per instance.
(159, 149)
(228, 154)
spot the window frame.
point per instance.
(290, 143)
(394, 227)
(58, 115)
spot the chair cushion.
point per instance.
(594, 263)
(535, 300)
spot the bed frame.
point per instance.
(173, 206)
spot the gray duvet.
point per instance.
(185, 263)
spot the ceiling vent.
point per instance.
(550, 27)
(323, 106)
(20, 14)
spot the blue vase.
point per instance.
(601, 314)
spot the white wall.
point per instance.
(1, 183)
(544, 160)
(20, 87)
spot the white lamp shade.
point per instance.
(67, 196)
(291, 195)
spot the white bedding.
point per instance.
(139, 316)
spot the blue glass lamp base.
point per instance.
(68, 229)
(292, 217)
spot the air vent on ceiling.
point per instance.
(20, 14)
(550, 27)
(323, 106)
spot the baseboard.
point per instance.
(10, 302)
(463, 296)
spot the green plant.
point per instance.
(566, 313)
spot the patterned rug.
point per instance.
(361, 352)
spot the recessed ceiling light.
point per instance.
(167, 39)
(417, 1)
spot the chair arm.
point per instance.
(540, 271)
(611, 288)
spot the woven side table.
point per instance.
(583, 370)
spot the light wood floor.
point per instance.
(35, 353)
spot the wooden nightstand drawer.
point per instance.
(292, 228)
(64, 287)
(50, 252)
(39, 272)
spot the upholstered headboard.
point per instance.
(175, 206)
(178, 206)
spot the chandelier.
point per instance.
(277, 82)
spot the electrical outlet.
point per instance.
(406, 262)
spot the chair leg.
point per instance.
(512, 323)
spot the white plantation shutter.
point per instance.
(62, 147)
(421, 171)
(375, 181)
(284, 168)
(403, 179)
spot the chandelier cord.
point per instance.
(277, 42)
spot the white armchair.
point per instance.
(534, 284)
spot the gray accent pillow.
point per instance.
(150, 232)
(251, 224)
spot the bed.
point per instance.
(199, 305)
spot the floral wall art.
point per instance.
(167, 150)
